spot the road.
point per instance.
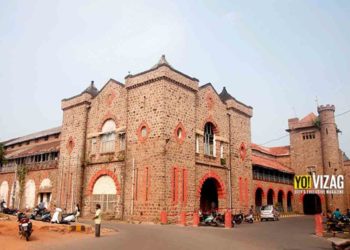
(289, 234)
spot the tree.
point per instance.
(2, 154)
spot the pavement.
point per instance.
(293, 233)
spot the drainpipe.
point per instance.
(132, 187)
(230, 164)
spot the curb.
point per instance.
(80, 228)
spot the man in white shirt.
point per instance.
(97, 219)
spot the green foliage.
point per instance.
(317, 123)
(21, 176)
(223, 161)
(2, 154)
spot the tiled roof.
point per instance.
(34, 149)
(33, 136)
(269, 163)
(275, 151)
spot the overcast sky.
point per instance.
(276, 56)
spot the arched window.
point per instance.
(209, 139)
(108, 137)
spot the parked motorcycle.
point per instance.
(7, 210)
(25, 226)
(237, 218)
(41, 214)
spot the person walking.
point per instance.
(97, 219)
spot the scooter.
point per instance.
(249, 218)
(56, 215)
(67, 218)
(25, 226)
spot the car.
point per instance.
(269, 212)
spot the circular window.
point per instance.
(143, 132)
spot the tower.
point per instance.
(330, 151)
(72, 148)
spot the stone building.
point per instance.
(163, 143)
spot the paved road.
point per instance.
(288, 234)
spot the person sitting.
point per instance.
(348, 213)
(337, 214)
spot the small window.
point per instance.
(93, 145)
(309, 135)
(222, 151)
(209, 139)
(179, 133)
(144, 131)
(197, 144)
(122, 141)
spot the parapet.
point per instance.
(327, 107)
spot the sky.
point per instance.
(281, 57)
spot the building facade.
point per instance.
(161, 143)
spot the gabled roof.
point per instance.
(309, 118)
(33, 136)
(162, 62)
(275, 151)
(224, 96)
(270, 163)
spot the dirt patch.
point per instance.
(42, 233)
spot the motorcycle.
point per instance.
(25, 226)
(237, 218)
(41, 214)
(7, 210)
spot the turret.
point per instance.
(329, 138)
(330, 151)
(72, 148)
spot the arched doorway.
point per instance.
(270, 195)
(29, 194)
(312, 204)
(259, 193)
(289, 201)
(104, 193)
(209, 195)
(4, 190)
(45, 192)
(280, 197)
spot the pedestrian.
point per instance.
(97, 219)
(77, 212)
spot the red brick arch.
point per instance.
(219, 184)
(211, 120)
(100, 173)
(106, 117)
(258, 186)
